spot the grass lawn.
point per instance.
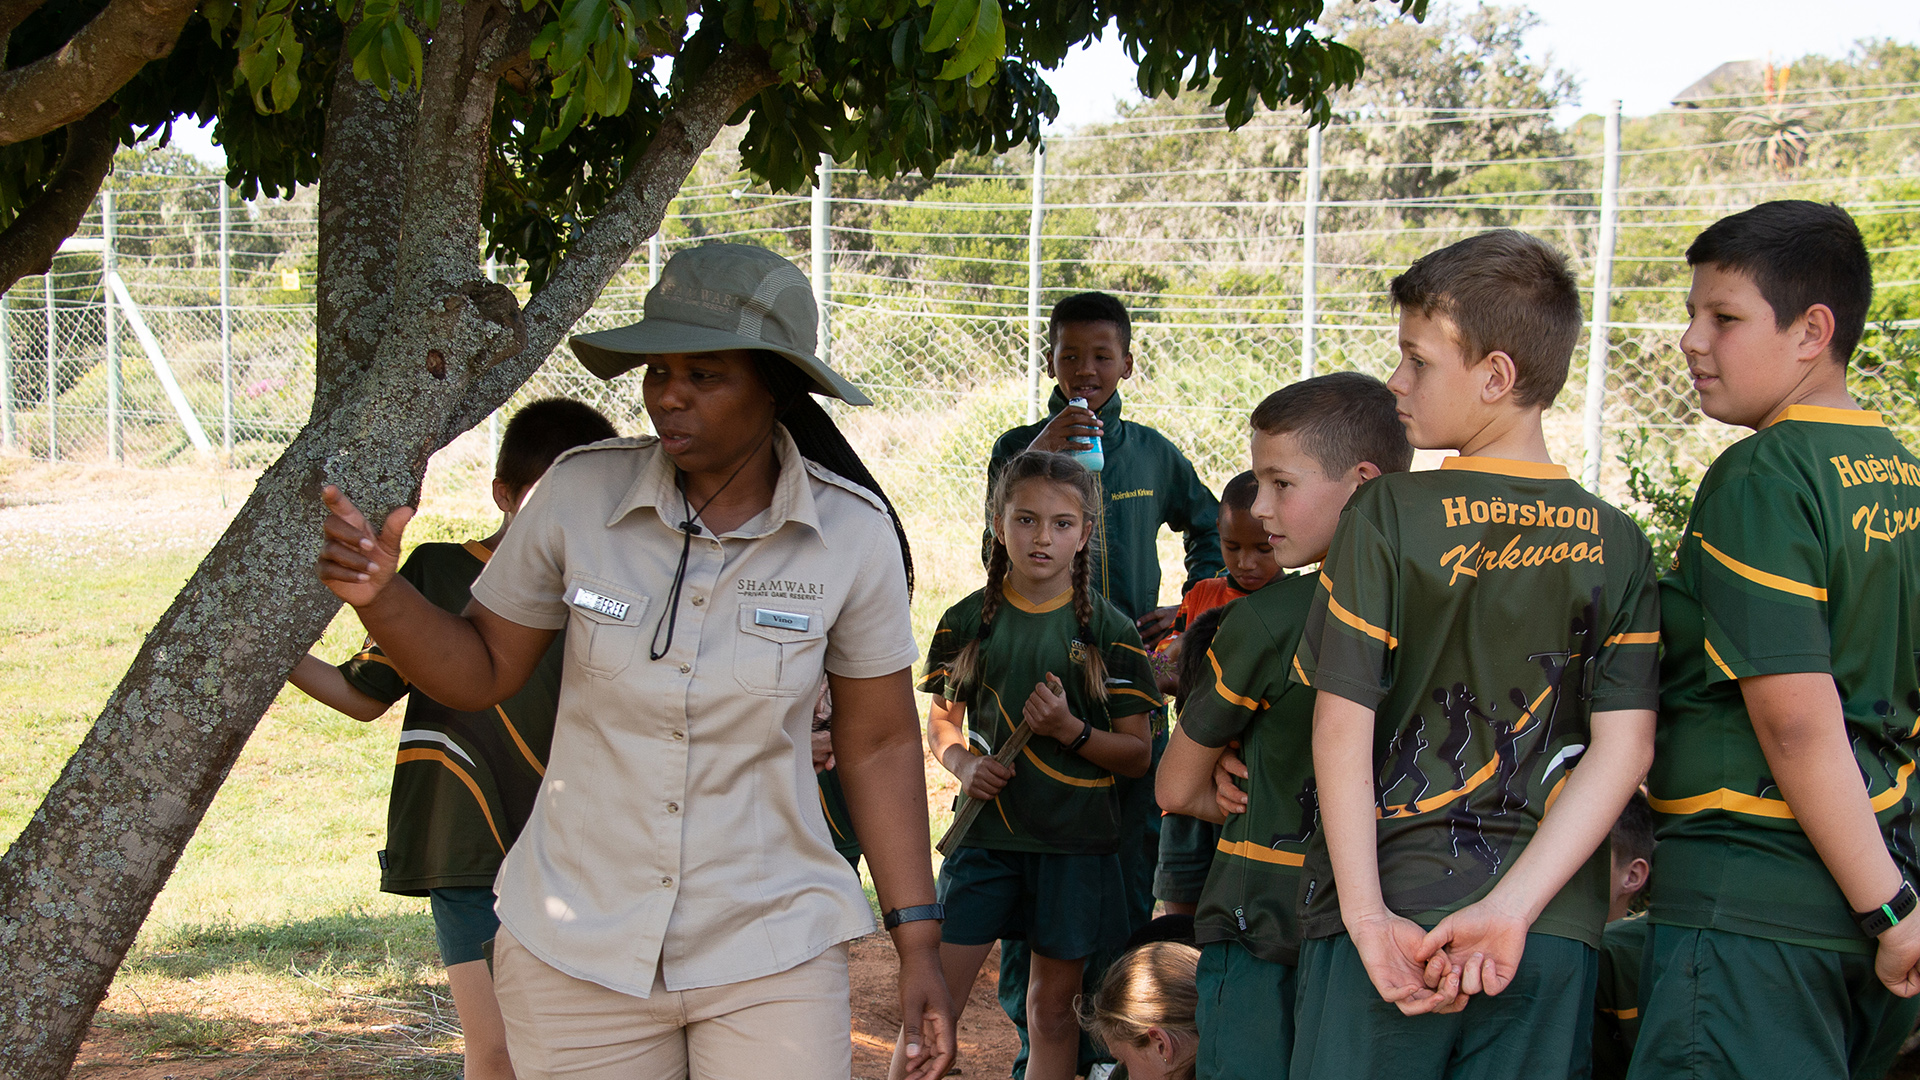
(272, 940)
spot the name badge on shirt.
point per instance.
(589, 600)
(783, 620)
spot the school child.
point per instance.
(1145, 482)
(1314, 443)
(1143, 1012)
(1187, 843)
(464, 783)
(1783, 941)
(1478, 631)
(1616, 1004)
(1038, 646)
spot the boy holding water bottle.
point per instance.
(1146, 483)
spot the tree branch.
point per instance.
(630, 215)
(363, 162)
(28, 245)
(75, 79)
(12, 14)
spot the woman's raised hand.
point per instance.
(356, 562)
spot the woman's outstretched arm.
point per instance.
(470, 661)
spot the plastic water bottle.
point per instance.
(1087, 451)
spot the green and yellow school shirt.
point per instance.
(1485, 611)
(1800, 556)
(1057, 802)
(1252, 890)
(1146, 482)
(463, 782)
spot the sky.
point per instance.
(1640, 52)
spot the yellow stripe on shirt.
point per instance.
(1361, 624)
(1220, 685)
(1739, 802)
(1761, 577)
(1714, 655)
(1247, 849)
(423, 754)
(1076, 781)
(1647, 637)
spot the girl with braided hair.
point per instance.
(1038, 647)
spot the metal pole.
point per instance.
(53, 381)
(6, 374)
(823, 252)
(1310, 258)
(226, 326)
(653, 258)
(1602, 301)
(1039, 346)
(115, 448)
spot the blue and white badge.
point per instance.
(781, 620)
(588, 600)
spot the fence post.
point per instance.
(1036, 336)
(1597, 343)
(823, 254)
(1310, 257)
(226, 327)
(53, 381)
(107, 267)
(6, 374)
(653, 257)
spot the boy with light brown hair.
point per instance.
(1478, 632)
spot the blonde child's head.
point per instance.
(1064, 476)
(1143, 1012)
(1487, 326)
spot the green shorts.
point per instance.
(463, 923)
(1715, 1003)
(1541, 1025)
(1245, 1015)
(1065, 907)
(1186, 854)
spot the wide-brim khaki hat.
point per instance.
(716, 297)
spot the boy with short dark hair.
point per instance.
(464, 783)
(1477, 632)
(1146, 482)
(1789, 694)
(1616, 1004)
(1313, 444)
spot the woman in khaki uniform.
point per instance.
(675, 906)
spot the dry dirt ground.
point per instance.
(234, 1030)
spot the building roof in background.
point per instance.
(1735, 77)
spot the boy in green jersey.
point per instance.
(1789, 700)
(464, 783)
(1478, 632)
(1146, 483)
(1313, 443)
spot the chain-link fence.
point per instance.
(180, 323)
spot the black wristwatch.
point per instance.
(1888, 915)
(920, 913)
(1085, 734)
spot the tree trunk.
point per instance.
(413, 347)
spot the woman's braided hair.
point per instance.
(819, 438)
(1070, 474)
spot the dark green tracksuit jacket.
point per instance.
(1147, 482)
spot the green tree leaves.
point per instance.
(976, 33)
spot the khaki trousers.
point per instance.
(796, 1024)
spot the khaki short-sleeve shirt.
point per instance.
(678, 823)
